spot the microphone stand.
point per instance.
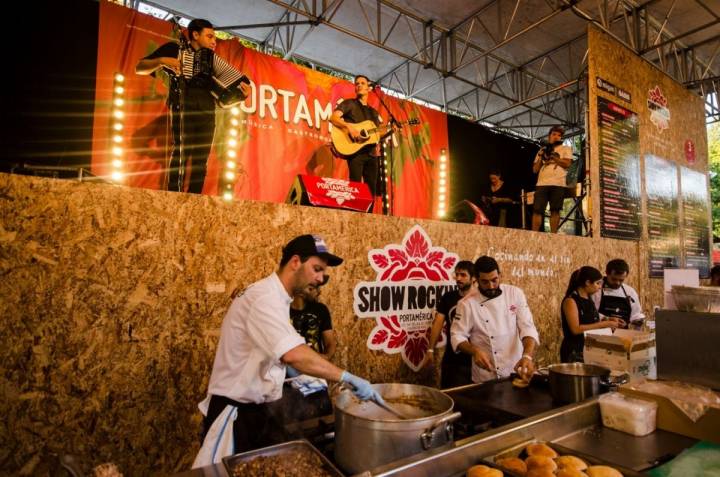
(387, 208)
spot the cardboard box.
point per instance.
(627, 351)
(671, 418)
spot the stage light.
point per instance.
(228, 186)
(235, 111)
(227, 195)
(119, 77)
(231, 153)
(118, 126)
(230, 165)
(442, 198)
(117, 163)
(232, 142)
(119, 102)
(442, 189)
(118, 114)
(443, 166)
(441, 213)
(233, 132)
(229, 175)
(117, 150)
(117, 138)
(119, 90)
(117, 176)
(234, 122)
(443, 174)
(442, 182)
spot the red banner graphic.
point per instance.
(283, 124)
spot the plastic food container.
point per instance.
(633, 416)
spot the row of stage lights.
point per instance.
(231, 154)
(118, 124)
(442, 185)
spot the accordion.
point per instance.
(232, 95)
(226, 95)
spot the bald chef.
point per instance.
(494, 325)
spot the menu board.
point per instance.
(619, 171)
(661, 187)
(695, 204)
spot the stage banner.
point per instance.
(283, 124)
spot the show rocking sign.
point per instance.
(411, 278)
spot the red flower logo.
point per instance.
(414, 260)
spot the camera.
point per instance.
(548, 151)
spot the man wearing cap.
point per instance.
(257, 344)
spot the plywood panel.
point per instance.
(112, 299)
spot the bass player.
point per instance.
(364, 163)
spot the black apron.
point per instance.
(615, 306)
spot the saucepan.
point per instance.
(575, 382)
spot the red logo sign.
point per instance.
(690, 151)
(411, 278)
(659, 112)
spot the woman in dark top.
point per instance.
(579, 314)
(498, 200)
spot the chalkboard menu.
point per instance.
(695, 203)
(661, 186)
(619, 171)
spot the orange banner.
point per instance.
(283, 124)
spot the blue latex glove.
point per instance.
(291, 372)
(361, 387)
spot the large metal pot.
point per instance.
(367, 436)
(575, 382)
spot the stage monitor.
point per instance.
(329, 192)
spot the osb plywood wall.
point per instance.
(111, 301)
(613, 62)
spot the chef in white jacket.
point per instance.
(494, 325)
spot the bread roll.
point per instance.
(602, 471)
(520, 383)
(540, 449)
(540, 472)
(513, 464)
(540, 462)
(483, 471)
(571, 462)
(570, 472)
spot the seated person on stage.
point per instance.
(312, 320)
(551, 164)
(456, 368)
(715, 276)
(498, 201)
(578, 313)
(494, 325)
(616, 299)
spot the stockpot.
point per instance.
(575, 382)
(367, 436)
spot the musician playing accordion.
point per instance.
(199, 80)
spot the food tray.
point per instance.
(232, 461)
(519, 451)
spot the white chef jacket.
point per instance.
(496, 326)
(636, 312)
(256, 332)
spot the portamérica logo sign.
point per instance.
(411, 278)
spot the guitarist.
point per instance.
(363, 164)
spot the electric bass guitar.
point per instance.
(369, 134)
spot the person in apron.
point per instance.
(616, 299)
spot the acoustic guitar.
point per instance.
(369, 134)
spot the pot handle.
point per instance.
(427, 435)
(615, 382)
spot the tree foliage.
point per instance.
(713, 132)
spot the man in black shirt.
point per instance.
(192, 69)
(312, 320)
(363, 164)
(456, 368)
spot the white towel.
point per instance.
(308, 384)
(219, 441)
